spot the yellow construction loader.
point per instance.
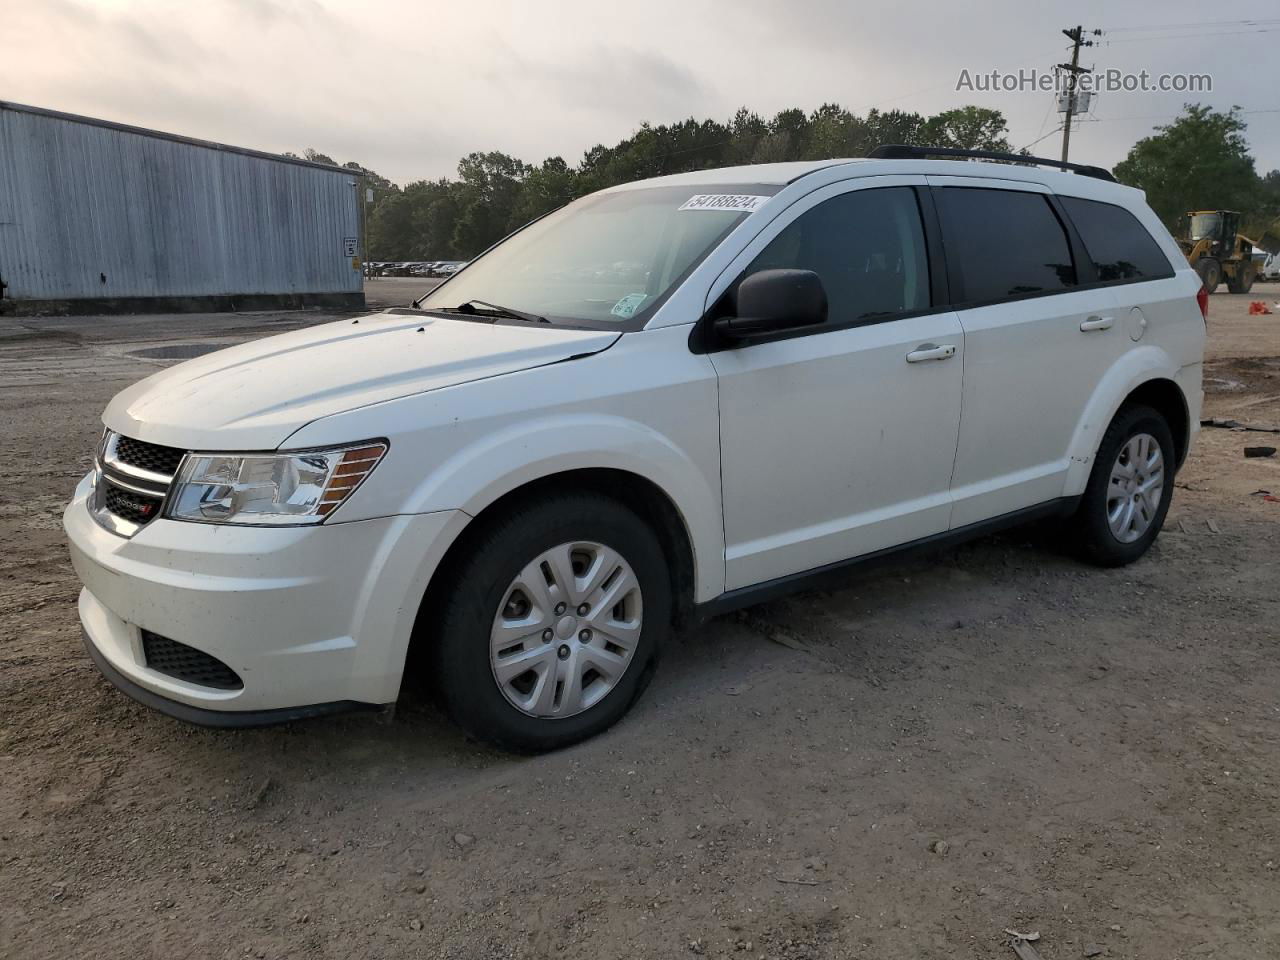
(1218, 251)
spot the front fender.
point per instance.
(647, 406)
(477, 475)
(1135, 368)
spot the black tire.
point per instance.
(1210, 272)
(1242, 280)
(1089, 530)
(476, 587)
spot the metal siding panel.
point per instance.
(161, 218)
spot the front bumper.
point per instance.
(203, 716)
(312, 619)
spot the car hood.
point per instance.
(253, 396)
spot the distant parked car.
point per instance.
(1271, 268)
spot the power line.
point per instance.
(1044, 120)
(1193, 36)
(1173, 116)
(1202, 23)
(1038, 139)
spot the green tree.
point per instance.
(391, 228)
(1200, 161)
(547, 187)
(895, 126)
(436, 220)
(1263, 223)
(834, 132)
(746, 130)
(489, 186)
(966, 128)
(315, 156)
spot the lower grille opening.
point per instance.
(181, 662)
(130, 506)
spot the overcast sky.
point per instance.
(408, 87)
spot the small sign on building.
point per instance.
(349, 246)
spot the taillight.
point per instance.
(1202, 301)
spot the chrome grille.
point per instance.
(133, 479)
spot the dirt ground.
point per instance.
(996, 737)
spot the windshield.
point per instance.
(607, 260)
(1204, 225)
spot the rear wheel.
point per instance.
(1210, 272)
(1129, 489)
(552, 624)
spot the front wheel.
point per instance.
(551, 625)
(1129, 489)
(1210, 272)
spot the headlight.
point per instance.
(298, 487)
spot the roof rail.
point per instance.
(898, 151)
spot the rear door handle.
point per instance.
(931, 351)
(1097, 323)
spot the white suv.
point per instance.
(661, 402)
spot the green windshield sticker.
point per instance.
(628, 305)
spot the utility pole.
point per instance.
(1074, 70)
(365, 207)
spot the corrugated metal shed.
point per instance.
(92, 209)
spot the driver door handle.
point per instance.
(931, 351)
(1097, 323)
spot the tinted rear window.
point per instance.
(1008, 243)
(1118, 244)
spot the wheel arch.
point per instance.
(638, 493)
(1146, 375)
(1165, 396)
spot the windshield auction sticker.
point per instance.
(628, 305)
(736, 202)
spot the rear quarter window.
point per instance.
(1118, 244)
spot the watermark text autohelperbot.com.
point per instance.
(1096, 81)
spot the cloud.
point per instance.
(407, 88)
(620, 81)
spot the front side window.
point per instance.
(868, 248)
(607, 260)
(1008, 243)
(1118, 244)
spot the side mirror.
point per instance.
(774, 301)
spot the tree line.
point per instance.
(1200, 161)
(494, 193)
